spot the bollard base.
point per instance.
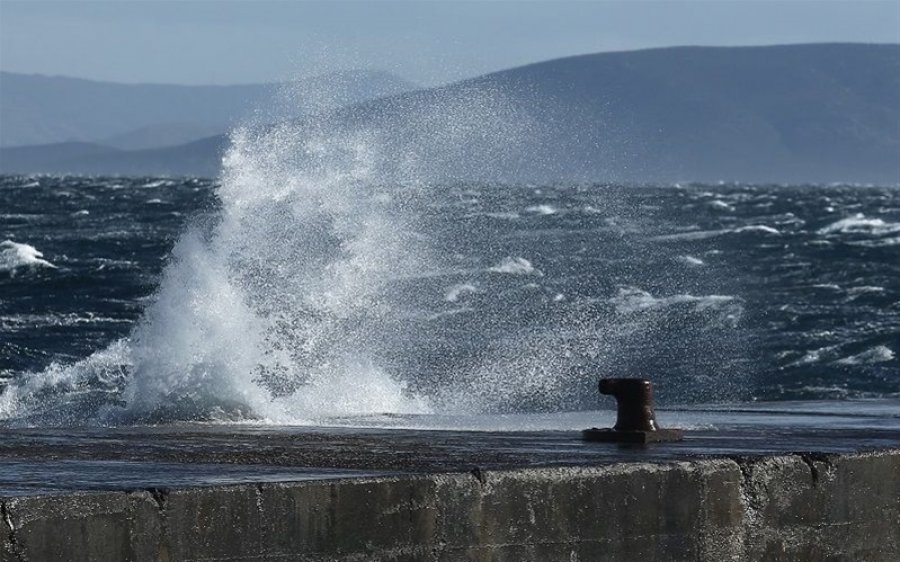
(614, 436)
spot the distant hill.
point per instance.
(36, 109)
(800, 113)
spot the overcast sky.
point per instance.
(224, 42)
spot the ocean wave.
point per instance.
(814, 356)
(860, 224)
(515, 266)
(456, 291)
(721, 205)
(25, 217)
(15, 256)
(694, 235)
(542, 210)
(865, 289)
(758, 228)
(501, 215)
(158, 183)
(631, 299)
(32, 321)
(877, 354)
(690, 260)
(876, 243)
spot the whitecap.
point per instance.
(157, 183)
(541, 210)
(695, 235)
(761, 228)
(877, 354)
(859, 224)
(632, 299)
(877, 243)
(816, 356)
(721, 205)
(865, 289)
(515, 266)
(691, 261)
(14, 256)
(456, 291)
(689, 236)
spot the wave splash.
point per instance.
(271, 315)
(277, 308)
(15, 257)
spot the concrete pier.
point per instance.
(745, 490)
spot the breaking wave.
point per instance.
(278, 307)
(860, 224)
(15, 256)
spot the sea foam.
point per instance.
(860, 224)
(15, 256)
(877, 354)
(515, 266)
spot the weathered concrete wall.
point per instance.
(774, 508)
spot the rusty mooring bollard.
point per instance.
(635, 419)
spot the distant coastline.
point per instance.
(818, 113)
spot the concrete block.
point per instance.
(790, 507)
(79, 527)
(825, 508)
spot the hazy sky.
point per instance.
(221, 42)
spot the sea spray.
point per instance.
(348, 270)
(275, 312)
(278, 308)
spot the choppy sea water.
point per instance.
(147, 299)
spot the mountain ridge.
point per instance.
(782, 113)
(41, 109)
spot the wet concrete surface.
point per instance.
(50, 460)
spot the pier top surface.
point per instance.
(61, 460)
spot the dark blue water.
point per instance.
(517, 298)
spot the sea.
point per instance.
(334, 274)
(293, 299)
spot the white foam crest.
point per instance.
(721, 205)
(877, 243)
(542, 209)
(814, 356)
(877, 354)
(632, 299)
(454, 293)
(759, 228)
(695, 235)
(14, 256)
(33, 394)
(515, 266)
(854, 293)
(691, 261)
(860, 224)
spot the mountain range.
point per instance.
(784, 114)
(36, 109)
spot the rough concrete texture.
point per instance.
(840, 507)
